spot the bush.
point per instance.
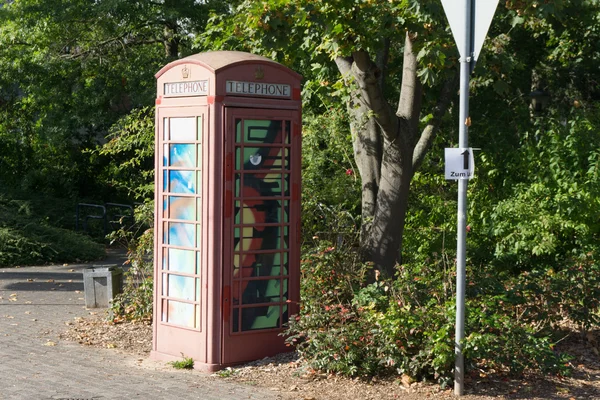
(26, 238)
(136, 301)
(406, 326)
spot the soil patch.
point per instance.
(287, 375)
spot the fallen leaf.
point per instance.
(27, 312)
(71, 270)
(50, 280)
(29, 280)
(50, 343)
(111, 346)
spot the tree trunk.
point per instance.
(387, 149)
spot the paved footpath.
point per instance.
(35, 305)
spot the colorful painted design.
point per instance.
(182, 180)
(261, 218)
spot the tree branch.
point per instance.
(430, 131)
(370, 93)
(409, 104)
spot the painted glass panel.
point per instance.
(182, 261)
(198, 263)
(260, 318)
(165, 128)
(199, 157)
(264, 291)
(258, 158)
(165, 181)
(181, 234)
(198, 236)
(262, 131)
(182, 287)
(179, 313)
(183, 129)
(235, 320)
(182, 208)
(261, 185)
(182, 182)
(165, 155)
(182, 155)
(288, 132)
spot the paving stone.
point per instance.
(35, 303)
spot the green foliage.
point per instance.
(406, 326)
(29, 238)
(136, 301)
(331, 187)
(186, 363)
(130, 149)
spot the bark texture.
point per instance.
(388, 146)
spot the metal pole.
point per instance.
(461, 240)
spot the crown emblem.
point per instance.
(185, 72)
(259, 73)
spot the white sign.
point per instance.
(191, 88)
(258, 88)
(459, 164)
(483, 12)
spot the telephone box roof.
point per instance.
(218, 60)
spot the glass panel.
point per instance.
(182, 261)
(198, 208)
(235, 320)
(165, 181)
(199, 162)
(286, 158)
(183, 129)
(238, 130)
(182, 208)
(237, 189)
(165, 207)
(199, 181)
(181, 313)
(286, 183)
(198, 236)
(286, 211)
(198, 286)
(260, 318)
(285, 263)
(165, 129)
(262, 131)
(182, 155)
(268, 264)
(164, 258)
(181, 234)
(165, 155)
(263, 158)
(198, 320)
(200, 129)
(182, 287)
(264, 291)
(198, 263)
(182, 182)
(288, 132)
(286, 237)
(262, 185)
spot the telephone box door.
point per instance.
(261, 221)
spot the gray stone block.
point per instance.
(101, 285)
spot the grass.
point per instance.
(186, 363)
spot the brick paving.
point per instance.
(35, 305)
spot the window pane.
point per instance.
(264, 291)
(182, 155)
(260, 318)
(182, 182)
(182, 261)
(181, 234)
(183, 129)
(182, 208)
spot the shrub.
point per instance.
(136, 301)
(406, 326)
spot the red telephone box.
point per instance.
(227, 217)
